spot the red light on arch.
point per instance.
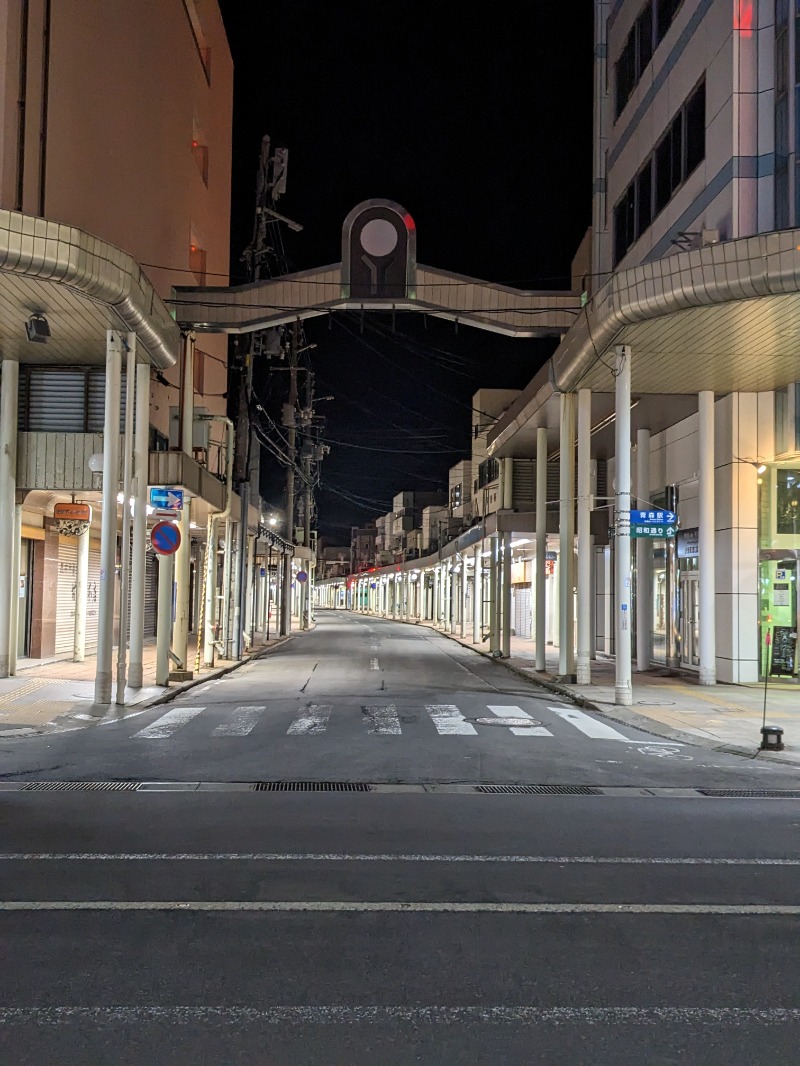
(743, 17)
(409, 222)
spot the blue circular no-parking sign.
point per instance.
(165, 538)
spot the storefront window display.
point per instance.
(779, 550)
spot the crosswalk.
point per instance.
(384, 719)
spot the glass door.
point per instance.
(690, 620)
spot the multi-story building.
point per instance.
(114, 188)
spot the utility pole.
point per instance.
(289, 421)
(307, 454)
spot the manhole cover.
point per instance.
(519, 723)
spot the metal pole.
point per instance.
(108, 531)
(541, 548)
(706, 542)
(211, 588)
(81, 592)
(623, 692)
(477, 593)
(291, 443)
(125, 562)
(566, 549)
(583, 669)
(505, 616)
(228, 600)
(9, 404)
(166, 571)
(183, 579)
(269, 590)
(141, 459)
(249, 623)
(15, 576)
(463, 623)
(493, 561)
(644, 557)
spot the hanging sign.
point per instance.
(76, 512)
(654, 524)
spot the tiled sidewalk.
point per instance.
(59, 694)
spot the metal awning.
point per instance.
(84, 286)
(724, 318)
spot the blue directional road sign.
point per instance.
(654, 523)
(164, 499)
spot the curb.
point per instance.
(631, 718)
(68, 722)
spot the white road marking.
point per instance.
(448, 720)
(240, 723)
(590, 726)
(384, 719)
(521, 731)
(313, 720)
(428, 1015)
(290, 856)
(316, 906)
(168, 723)
(373, 664)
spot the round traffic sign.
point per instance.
(165, 538)
(301, 575)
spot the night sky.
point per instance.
(478, 122)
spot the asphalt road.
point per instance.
(370, 700)
(223, 925)
(395, 929)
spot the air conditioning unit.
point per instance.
(709, 236)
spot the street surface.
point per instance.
(421, 922)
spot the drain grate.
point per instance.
(540, 790)
(752, 793)
(80, 786)
(312, 786)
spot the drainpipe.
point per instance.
(211, 547)
(183, 556)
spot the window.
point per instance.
(645, 35)
(488, 471)
(197, 262)
(787, 419)
(200, 156)
(199, 371)
(203, 50)
(679, 152)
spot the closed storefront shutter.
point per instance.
(150, 593)
(522, 611)
(65, 610)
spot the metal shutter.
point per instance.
(65, 609)
(96, 402)
(56, 400)
(522, 611)
(150, 593)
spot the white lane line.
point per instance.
(168, 723)
(316, 906)
(313, 720)
(590, 726)
(448, 720)
(429, 1015)
(290, 856)
(383, 719)
(373, 664)
(240, 723)
(517, 712)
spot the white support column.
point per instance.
(585, 598)
(435, 618)
(623, 692)
(15, 576)
(108, 530)
(166, 571)
(183, 576)
(494, 644)
(127, 518)
(477, 593)
(9, 403)
(141, 459)
(187, 393)
(505, 611)
(81, 592)
(706, 542)
(566, 552)
(644, 558)
(463, 588)
(540, 605)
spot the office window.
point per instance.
(679, 152)
(647, 32)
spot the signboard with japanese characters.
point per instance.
(654, 524)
